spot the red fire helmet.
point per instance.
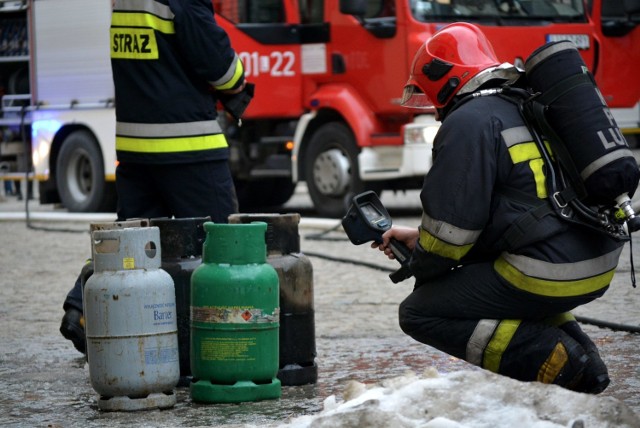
(445, 63)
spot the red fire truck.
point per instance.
(328, 74)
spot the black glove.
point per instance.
(236, 104)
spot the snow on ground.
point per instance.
(469, 399)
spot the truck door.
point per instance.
(280, 43)
(267, 36)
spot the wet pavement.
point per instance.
(45, 382)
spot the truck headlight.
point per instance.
(420, 133)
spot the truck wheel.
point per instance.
(263, 193)
(80, 175)
(331, 169)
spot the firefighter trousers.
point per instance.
(472, 313)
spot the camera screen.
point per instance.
(371, 213)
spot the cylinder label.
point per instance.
(128, 263)
(227, 349)
(160, 355)
(233, 315)
(161, 313)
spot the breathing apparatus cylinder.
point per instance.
(591, 147)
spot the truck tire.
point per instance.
(80, 175)
(331, 169)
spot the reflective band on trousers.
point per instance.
(488, 342)
(558, 279)
(479, 340)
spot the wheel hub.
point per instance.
(331, 172)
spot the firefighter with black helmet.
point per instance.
(478, 296)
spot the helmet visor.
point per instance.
(413, 97)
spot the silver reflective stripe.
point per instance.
(158, 9)
(604, 160)
(162, 130)
(229, 74)
(448, 232)
(547, 52)
(516, 135)
(479, 340)
(564, 271)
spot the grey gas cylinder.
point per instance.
(130, 322)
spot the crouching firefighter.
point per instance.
(499, 303)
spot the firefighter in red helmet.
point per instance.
(497, 302)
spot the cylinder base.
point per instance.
(127, 404)
(296, 374)
(204, 391)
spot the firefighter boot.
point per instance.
(72, 328)
(596, 377)
(543, 353)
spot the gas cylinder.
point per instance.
(234, 317)
(181, 241)
(87, 269)
(590, 146)
(130, 322)
(297, 364)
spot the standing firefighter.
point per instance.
(476, 297)
(171, 63)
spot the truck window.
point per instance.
(381, 9)
(251, 11)
(543, 10)
(311, 11)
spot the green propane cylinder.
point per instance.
(234, 317)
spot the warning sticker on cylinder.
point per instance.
(233, 315)
(227, 349)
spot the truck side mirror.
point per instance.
(353, 7)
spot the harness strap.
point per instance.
(537, 110)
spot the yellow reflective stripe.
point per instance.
(142, 20)
(498, 344)
(551, 288)
(524, 152)
(171, 145)
(529, 152)
(436, 246)
(553, 365)
(537, 167)
(237, 74)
